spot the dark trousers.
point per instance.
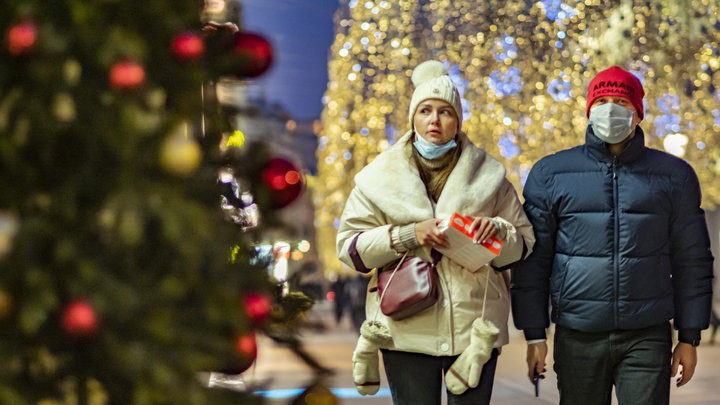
(416, 379)
(637, 362)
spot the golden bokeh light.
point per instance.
(523, 74)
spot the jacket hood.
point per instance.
(393, 183)
(598, 148)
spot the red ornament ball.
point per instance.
(255, 53)
(246, 347)
(79, 320)
(188, 46)
(127, 75)
(258, 307)
(284, 182)
(22, 38)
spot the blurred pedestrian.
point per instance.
(433, 171)
(356, 291)
(340, 298)
(307, 280)
(622, 248)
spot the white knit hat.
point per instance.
(432, 82)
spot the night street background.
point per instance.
(334, 348)
(301, 32)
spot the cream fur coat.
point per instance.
(389, 192)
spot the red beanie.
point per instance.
(616, 82)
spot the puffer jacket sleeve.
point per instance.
(691, 261)
(531, 278)
(518, 235)
(364, 239)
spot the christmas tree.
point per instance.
(121, 278)
(522, 69)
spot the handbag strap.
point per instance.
(388, 284)
(487, 281)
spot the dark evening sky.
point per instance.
(301, 32)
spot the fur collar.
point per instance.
(393, 184)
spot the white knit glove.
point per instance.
(366, 364)
(465, 371)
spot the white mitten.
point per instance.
(366, 364)
(465, 371)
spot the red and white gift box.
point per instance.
(462, 249)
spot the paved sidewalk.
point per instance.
(334, 349)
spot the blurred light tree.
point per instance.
(116, 279)
(522, 69)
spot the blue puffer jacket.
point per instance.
(621, 243)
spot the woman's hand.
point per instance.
(428, 234)
(484, 228)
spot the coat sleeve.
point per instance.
(519, 237)
(531, 279)
(364, 239)
(691, 261)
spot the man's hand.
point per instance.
(428, 234)
(484, 228)
(684, 355)
(536, 354)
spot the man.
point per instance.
(622, 248)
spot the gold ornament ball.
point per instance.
(64, 108)
(316, 394)
(180, 156)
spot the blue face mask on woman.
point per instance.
(429, 150)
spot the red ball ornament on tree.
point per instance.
(21, 38)
(258, 308)
(246, 347)
(255, 53)
(188, 46)
(79, 320)
(127, 76)
(284, 183)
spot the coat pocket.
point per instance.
(558, 286)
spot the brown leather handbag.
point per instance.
(410, 288)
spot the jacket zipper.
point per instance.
(616, 243)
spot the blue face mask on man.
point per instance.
(429, 150)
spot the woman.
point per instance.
(395, 208)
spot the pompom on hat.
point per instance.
(432, 82)
(616, 82)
